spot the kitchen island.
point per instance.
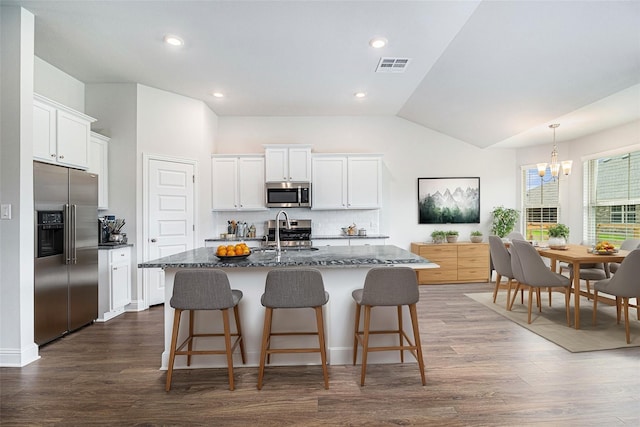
(343, 269)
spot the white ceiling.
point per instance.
(491, 73)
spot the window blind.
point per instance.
(612, 198)
(540, 202)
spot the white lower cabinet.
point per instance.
(114, 282)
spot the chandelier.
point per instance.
(555, 166)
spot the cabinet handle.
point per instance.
(121, 254)
(53, 154)
(153, 240)
(62, 156)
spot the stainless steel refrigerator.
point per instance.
(66, 250)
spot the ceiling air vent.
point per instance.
(392, 65)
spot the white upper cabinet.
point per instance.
(60, 134)
(364, 178)
(99, 164)
(346, 182)
(237, 183)
(288, 163)
(329, 182)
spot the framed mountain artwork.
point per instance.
(449, 200)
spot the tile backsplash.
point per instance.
(324, 223)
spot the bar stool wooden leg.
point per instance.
(265, 339)
(236, 314)
(227, 346)
(365, 342)
(416, 338)
(191, 327)
(321, 342)
(174, 344)
(355, 334)
(400, 330)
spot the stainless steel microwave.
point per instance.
(288, 194)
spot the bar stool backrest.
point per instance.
(390, 286)
(294, 288)
(202, 289)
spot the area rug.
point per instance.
(551, 324)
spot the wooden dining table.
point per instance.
(576, 255)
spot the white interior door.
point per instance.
(171, 216)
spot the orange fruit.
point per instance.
(239, 250)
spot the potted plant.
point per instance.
(504, 219)
(476, 236)
(438, 236)
(558, 235)
(452, 236)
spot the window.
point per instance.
(540, 203)
(612, 198)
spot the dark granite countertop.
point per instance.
(103, 247)
(355, 236)
(327, 256)
(327, 237)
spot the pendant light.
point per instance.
(555, 166)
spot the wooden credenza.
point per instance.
(463, 262)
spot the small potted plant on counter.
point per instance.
(438, 236)
(558, 235)
(476, 236)
(452, 236)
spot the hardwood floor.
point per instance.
(481, 370)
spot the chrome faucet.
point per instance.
(286, 217)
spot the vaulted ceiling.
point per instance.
(490, 73)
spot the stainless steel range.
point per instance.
(299, 235)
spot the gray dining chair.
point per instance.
(531, 271)
(627, 245)
(623, 285)
(388, 286)
(501, 259)
(293, 288)
(204, 289)
(515, 235)
(588, 272)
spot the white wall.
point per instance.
(410, 151)
(571, 187)
(17, 347)
(114, 107)
(176, 126)
(57, 85)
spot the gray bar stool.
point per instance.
(204, 290)
(293, 288)
(388, 286)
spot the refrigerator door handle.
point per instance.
(67, 234)
(74, 216)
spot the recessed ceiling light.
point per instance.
(173, 40)
(218, 94)
(360, 94)
(378, 42)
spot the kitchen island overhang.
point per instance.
(343, 270)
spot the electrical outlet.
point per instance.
(5, 211)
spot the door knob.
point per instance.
(153, 240)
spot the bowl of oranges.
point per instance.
(233, 252)
(604, 248)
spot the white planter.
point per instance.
(557, 242)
